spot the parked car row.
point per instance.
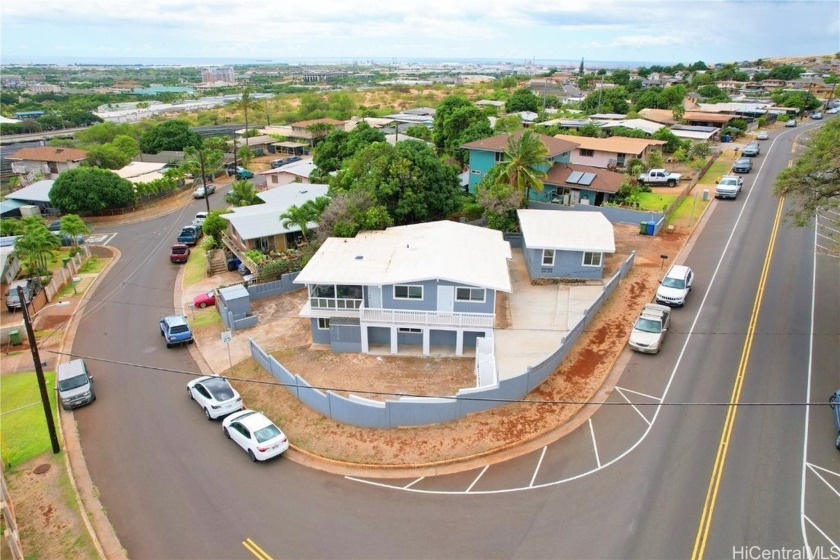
(648, 331)
(258, 436)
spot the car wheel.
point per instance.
(225, 431)
(252, 456)
(202, 305)
(189, 393)
(207, 413)
(837, 441)
(168, 345)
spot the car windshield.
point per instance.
(73, 382)
(179, 329)
(648, 325)
(673, 283)
(269, 432)
(178, 250)
(219, 388)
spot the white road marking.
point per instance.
(827, 483)
(594, 443)
(657, 399)
(410, 484)
(821, 532)
(537, 470)
(639, 412)
(477, 478)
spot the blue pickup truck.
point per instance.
(190, 234)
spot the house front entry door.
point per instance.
(446, 298)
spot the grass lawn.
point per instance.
(655, 202)
(689, 210)
(23, 429)
(204, 317)
(93, 265)
(718, 169)
(196, 266)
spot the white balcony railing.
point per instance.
(426, 318)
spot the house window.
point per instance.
(548, 257)
(470, 294)
(592, 259)
(408, 330)
(587, 153)
(500, 157)
(408, 292)
(323, 324)
(275, 179)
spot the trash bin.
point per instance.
(726, 138)
(651, 227)
(14, 337)
(643, 228)
(66, 260)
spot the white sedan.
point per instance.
(256, 434)
(214, 395)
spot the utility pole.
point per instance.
(39, 372)
(204, 178)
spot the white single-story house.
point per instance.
(296, 172)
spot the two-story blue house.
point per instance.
(487, 152)
(420, 285)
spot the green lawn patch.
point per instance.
(93, 265)
(655, 202)
(196, 266)
(23, 427)
(689, 211)
(204, 317)
(718, 169)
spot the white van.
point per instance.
(199, 218)
(75, 384)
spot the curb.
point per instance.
(93, 513)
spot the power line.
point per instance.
(470, 398)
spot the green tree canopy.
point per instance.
(348, 213)
(443, 130)
(340, 145)
(813, 183)
(523, 99)
(106, 132)
(523, 168)
(786, 72)
(620, 77)
(72, 225)
(172, 135)
(606, 100)
(407, 179)
(107, 156)
(214, 225)
(242, 193)
(802, 100)
(90, 189)
(712, 94)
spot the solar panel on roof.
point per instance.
(574, 177)
(586, 179)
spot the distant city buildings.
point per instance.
(217, 75)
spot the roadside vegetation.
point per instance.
(23, 430)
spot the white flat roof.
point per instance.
(263, 220)
(566, 231)
(443, 250)
(300, 168)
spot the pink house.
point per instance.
(609, 153)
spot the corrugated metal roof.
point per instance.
(263, 220)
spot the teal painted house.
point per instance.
(487, 152)
(565, 183)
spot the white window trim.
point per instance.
(544, 253)
(600, 259)
(409, 330)
(408, 286)
(325, 319)
(483, 295)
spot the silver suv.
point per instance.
(752, 149)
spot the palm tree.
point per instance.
(298, 216)
(524, 154)
(246, 103)
(36, 247)
(241, 193)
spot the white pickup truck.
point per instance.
(649, 329)
(660, 177)
(729, 186)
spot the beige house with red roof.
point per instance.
(610, 153)
(46, 161)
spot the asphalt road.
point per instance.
(633, 482)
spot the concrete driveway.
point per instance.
(540, 315)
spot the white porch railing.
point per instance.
(426, 318)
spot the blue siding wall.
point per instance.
(567, 264)
(429, 301)
(480, 161)
(319, 336)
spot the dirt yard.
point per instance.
(576, 380)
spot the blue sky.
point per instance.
(607, 30)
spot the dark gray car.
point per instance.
(742, 165)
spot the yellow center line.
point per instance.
(254, 549)
(728, 425)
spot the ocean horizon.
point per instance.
(132, 61)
